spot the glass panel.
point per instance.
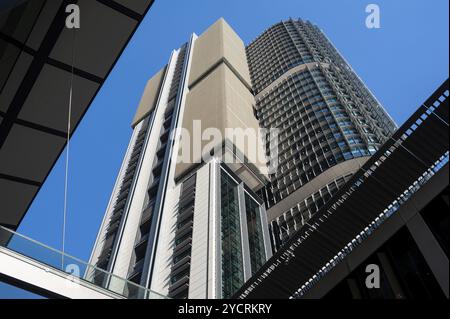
(255, 234)
(74, 267)
(232, 263)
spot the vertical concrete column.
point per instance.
(434, 255)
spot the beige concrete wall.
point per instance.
(150, 97)
(205, 103)
(219, 101)
(219, 42)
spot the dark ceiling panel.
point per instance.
(138, 6)
(15, 78)
(54, 99)
(10, 205)
(42, 24)
(103, 30)
(19, 21)
(8, 56)
(31, 160)
(35, 66)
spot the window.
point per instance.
(232, 262)
(255, 235)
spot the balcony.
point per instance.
(157, 169)
(161, 151)
(123, 195)
(136, 273)
(167, 122)
(183, 233)
(185, 213)
(187, 244)
(183, 241)
(165, 136)
(180, 252)
(141, 247)
(187, 223)
(181, 285)
(147, 214)
(186, 261)
(152, 190)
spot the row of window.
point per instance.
(282, 228)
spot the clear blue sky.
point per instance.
(402, 63)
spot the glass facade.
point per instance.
(324, 113)
(283, 227)
(242, 234)
(232, 259)
(255, 234)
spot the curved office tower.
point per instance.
(189, 228)
(329, 122)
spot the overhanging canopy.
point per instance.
(35, 66)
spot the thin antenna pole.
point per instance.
(66, 177)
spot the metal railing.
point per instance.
(74, 267)
(414, 154)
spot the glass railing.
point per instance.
(74, 267)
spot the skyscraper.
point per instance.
(187, 217)
(190, 227)
(329, 122)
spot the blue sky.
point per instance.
(403, 62)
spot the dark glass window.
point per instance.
(232, 262)
(255, 234)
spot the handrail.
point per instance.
(74, 266)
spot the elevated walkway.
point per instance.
(35, 267)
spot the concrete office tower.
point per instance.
(329, 121)
(195, 228)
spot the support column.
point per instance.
(434, 255)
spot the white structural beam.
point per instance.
(32, 275)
